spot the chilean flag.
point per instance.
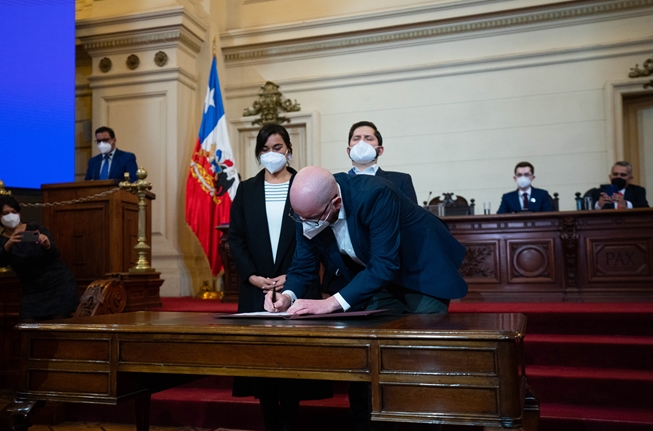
(212, 178)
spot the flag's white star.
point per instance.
(209, 99)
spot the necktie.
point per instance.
(104, 174)
(525, 196)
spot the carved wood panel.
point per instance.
(628, 259)
(531, 261)
(81, 238)
(481, 262)
(130, 236)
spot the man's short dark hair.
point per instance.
(626, 165)
(524, 165)
(106, 129)
(265, 133)
(10, 202)
(364, 124)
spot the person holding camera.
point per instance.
(620, 193)
(48, 289)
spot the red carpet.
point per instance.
(589, 364)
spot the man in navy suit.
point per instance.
(364, 148)
(380, 249)
(622, 194)
(111, 163)
(525, 198)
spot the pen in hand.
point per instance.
(274, 297)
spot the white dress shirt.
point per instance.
(343, 239)
(370, 170)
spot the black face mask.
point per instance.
(619, 182)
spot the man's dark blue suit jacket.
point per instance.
(398, 241)
(538, 201)
(403, 181)
(121, 162)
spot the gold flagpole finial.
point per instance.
(214, 46)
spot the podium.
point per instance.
(96, 237)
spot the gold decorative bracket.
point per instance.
(646, 70)
(139, 188)
(3, 190)
(270, 101)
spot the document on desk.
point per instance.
(283, 315)
(257, 315)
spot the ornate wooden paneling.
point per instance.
(96, 236)
(481, 262)
(573, 255)
(531, 261)
(620, 259)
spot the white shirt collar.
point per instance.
(342, 215)
(370, 170)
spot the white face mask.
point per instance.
(362, 153)
(105, 147)
(523, 182)
(273, 162)
(10, 220)
(311, 230)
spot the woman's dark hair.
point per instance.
(265, 133)
(10, 202)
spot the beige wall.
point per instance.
(458, 107)
(461, 90)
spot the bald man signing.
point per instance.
(380, 249)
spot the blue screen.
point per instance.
(37, 92)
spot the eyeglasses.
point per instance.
(314, 223)
(97, 141)
(528, 174)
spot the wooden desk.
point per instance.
(458, 369)
(602, 255)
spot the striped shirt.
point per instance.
(275, 203)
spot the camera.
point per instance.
(30, 236)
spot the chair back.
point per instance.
(452, 206)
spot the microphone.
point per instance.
(426, 202)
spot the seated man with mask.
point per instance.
(620, 193)
(111, 163)
(525, 198)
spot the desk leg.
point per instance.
(142, 408)
(531, 411)
(15, 416)
(531, 416)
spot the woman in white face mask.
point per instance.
(262, 243)
(48, 289)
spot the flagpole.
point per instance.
(214, 46)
